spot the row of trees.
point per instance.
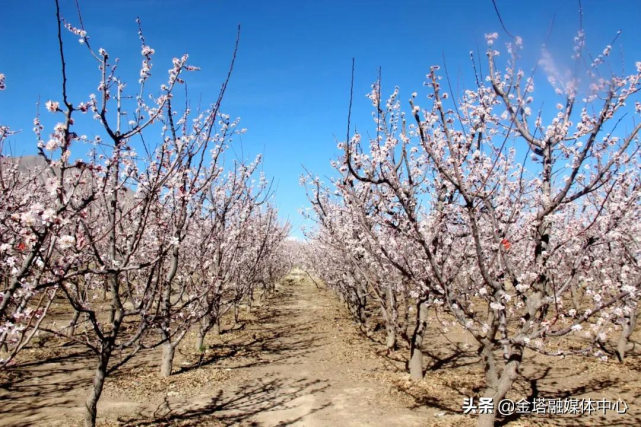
(155, 231)
(522, 225)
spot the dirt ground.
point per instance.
(299, 360)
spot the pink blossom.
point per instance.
(490, 38)
(28, 218)
(497, 306)
(66, 241)
(52, 106)
(52, 144)
(146, 51)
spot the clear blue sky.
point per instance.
(291, 81)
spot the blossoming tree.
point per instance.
(117, 234)
(525, 223)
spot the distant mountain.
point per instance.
(29, 165)
(37, 164)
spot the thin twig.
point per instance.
(351, 96)
(498, 14)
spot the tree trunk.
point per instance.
(250, 301)
(390, 342)
(91, 404)
(115, 296)
(486, 420)
(629, 323)
(362, 306)
(498, 386)
(167, 359)
(362, 295)
(73, 323)
(200, 340)
(574, 292)
(407, 317)
(390, 320)
(416, 353)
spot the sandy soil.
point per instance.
(299, 360)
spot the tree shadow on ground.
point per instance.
(546, 382)
(232, 408)
(274, 339)
(29, 389)
(269, 347)
(34, 386)
(589, 386)
(451, 357)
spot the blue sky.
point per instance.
(291, 82)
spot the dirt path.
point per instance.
(317, 378)
(304, 373)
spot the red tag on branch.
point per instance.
(506, 244)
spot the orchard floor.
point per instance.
(298, 360)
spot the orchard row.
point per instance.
(514, 213)
(152, 233)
